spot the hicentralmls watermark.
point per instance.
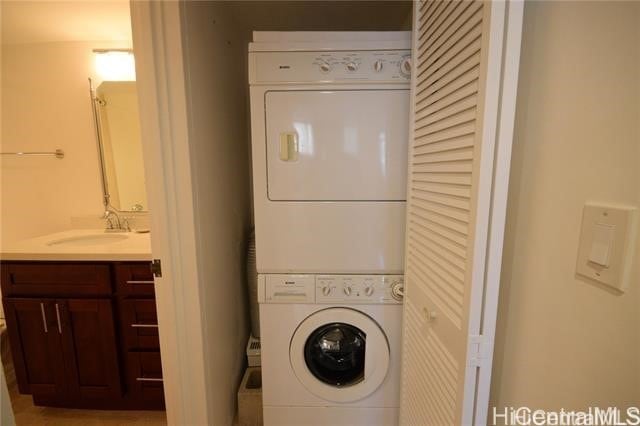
(594, 416)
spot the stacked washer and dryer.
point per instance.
(329, 123)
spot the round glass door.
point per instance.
(339, 354)
(335, 354)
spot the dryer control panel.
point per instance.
(379, 66)
(330, 289)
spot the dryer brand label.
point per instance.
(290, 289)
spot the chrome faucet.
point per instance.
(114, 223)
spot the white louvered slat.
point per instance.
(459, 118)
(452, 178)
(443, 145)
(447, 200)
(446, 257)
(442, 156)
(446, 85)
(447, 99)
(461, 129)
(443, 161)
(448, 11)
(452, 167)
(431, 236)
(468, 18)
(453, 219)
(450, 60)
(468, 65)
(432, 16)
(449, 286)
(462, 192)
(431, 391)
(464, 104)
(452, 48)
(454, 283)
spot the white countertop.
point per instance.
(82, 244)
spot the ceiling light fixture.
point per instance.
(115, 65)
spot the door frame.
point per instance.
(157, 38)
(162, 97)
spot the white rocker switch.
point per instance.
(601, 244)
(607, 244)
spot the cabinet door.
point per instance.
(36, 348)
(90, 351)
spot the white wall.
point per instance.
(220, 174)
(563, 342)
(45, 105)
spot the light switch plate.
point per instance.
(607, 241)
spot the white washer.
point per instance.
(330, 349)
(329, 124)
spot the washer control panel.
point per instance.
(358, 288)
(329, 288)
(392, 66)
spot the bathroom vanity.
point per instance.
(81, 317)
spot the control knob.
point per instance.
(368, 290)
(347, 290)
(378, 65)
(325, 67)
(397, 290)
(326, 290)
(405, 66)
(352, 66)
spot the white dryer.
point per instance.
(329, 124)
(330, 349)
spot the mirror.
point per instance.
(118, 130)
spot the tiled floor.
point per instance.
(27, 414)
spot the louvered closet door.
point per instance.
(457, 54)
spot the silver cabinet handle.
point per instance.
(140, 282)
(144, 325)
(58, 318)
(148, 379)
(44, 318)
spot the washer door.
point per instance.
(339, 354)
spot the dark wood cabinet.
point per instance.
(134, 279)
(139, 324)
(145, 376)
(84, 334)
(55, 279)
(37, 348)
(90, 349)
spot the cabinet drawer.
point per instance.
(45, 279)
(134, 279)
(139, 323)
(145, 378)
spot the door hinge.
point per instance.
(156, 268)
(477, 353)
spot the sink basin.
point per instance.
(89, 240)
